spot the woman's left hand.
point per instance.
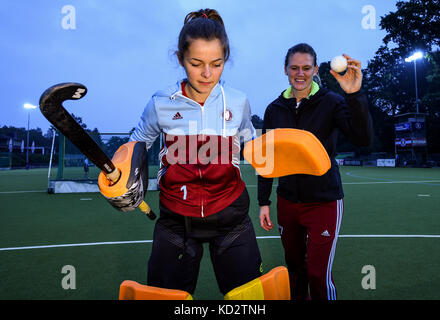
(351, 80)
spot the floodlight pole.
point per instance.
(414, 58)
(415, 81)
(27, 143)
(29, 107)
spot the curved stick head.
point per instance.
(57, 94)
(51, 106)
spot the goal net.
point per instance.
(70, 171)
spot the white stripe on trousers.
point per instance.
(331, 290)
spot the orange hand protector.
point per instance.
(127, 192)
(282, 152)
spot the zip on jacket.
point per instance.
(200, 172)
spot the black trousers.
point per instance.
(178, 248)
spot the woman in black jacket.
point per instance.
(309, 208)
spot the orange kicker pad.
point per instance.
(282, 152)
(131, 290)
(274, 285)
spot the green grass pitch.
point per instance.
(396, 211)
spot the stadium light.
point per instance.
(28, 107)
(417, 55)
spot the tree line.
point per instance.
(388, 80)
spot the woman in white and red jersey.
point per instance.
(202, 196)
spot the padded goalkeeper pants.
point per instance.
(178, 248)
(309, 233)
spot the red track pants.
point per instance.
(309, 232)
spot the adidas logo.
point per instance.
(325, 234)
(177, 116)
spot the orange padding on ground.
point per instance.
(272, 286)
(276, 284)
(131, 290)
(281, 152)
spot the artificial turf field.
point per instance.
(391, 222)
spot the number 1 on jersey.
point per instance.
(184, 191)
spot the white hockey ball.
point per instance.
(338, 64)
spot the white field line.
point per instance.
(75, 245)
(389, 236)
(373, 182)
(25, 191)
(254, 185)
(259, 237)
(391, 182)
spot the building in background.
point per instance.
(411, 147)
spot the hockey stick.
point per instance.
(51, 105)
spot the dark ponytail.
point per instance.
(204, 24)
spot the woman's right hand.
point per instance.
(265, 221)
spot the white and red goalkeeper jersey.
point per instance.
(201, 147)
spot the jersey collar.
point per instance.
(288, 92)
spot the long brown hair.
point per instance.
(204, 24)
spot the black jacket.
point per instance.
(323, 114)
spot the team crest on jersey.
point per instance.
(227, 115)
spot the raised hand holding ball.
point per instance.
(339, 64)
(351, 80)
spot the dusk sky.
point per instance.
(123, 51)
